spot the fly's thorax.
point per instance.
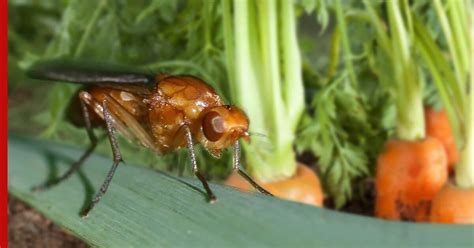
(188, 94)
(223, 125)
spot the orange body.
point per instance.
(437, 126)
(155, 117)
(453, 205)
(409, 174)
(303, 187)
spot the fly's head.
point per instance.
(223, 125)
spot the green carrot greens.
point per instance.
(453, 79)
(266, 78)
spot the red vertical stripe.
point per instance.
(4, 124)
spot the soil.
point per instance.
(28, 228)
(363, 202)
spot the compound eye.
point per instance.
(213, 126)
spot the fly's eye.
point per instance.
(213, 126)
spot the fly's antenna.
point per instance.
(258, 134)
(265, 142)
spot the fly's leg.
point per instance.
(236, 166)
(116, 161)
(75, 166)
(189, 138)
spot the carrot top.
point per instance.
(454, 81)
(264, 65)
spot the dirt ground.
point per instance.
(28, 228)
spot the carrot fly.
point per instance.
(160, 112)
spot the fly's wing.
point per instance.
(88, 73)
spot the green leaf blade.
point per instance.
(153, 209)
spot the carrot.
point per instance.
(453, 205)
(409, 174)
(264, 33)
(437, 126)
(303, 187)
(454, 82)
(412, 167)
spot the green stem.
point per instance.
(382, 37)
(279, 163)
(293, 78)
(410, 115)
(341, 22)
(258, 84)
(465, 169)
(455, 14)
(429, 54)
(410, 112)
(207, 18)
(454, 89)
(246, 83)
(334, 55)
(443, 19)
(270, 58)
(229, 46)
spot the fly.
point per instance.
(160, 112)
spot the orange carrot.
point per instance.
(453, 205)
(409, 174)
(412, 168)
(454, 83)
(303, 187)
(437, 126)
